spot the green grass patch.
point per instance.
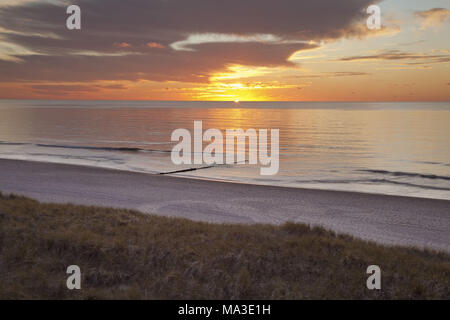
(125, 254)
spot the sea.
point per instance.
(395, 148)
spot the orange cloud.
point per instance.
(396, 55)
(433, 17)
(122, 44)
(155, 45)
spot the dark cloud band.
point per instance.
(93, 52)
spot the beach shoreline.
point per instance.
(391, 220)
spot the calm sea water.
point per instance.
(388, 148)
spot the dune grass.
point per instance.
(129, 255)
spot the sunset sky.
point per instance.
(318, 50)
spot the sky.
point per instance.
(246, 50)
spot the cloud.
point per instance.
(122, 44)
(155, 45)
(167, 66)
(63, 88)
(6, 3)
(113, 86)
(204, 38)
(70, 89)
(395, 55)
(325, 75)
(199, 37)
(433, 17)
(12, 52)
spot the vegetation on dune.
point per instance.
(129, 255)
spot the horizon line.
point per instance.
(241, 101)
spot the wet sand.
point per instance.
(381, 218)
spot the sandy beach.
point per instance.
(392, 220)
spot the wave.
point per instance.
(407, 174)
(379, 181)
(116, 149)
(12, 143)
(120, 149)
(102, 148)
(127, 149)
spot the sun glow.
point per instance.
(239, 72)
(240, 83)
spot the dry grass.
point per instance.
(128, 255)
